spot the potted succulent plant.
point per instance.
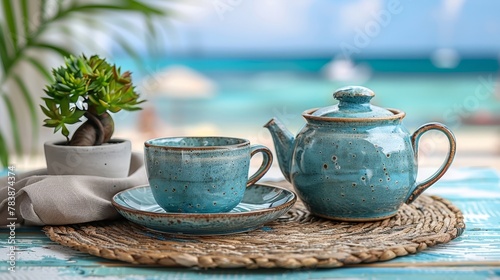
(88, 88)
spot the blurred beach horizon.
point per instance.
(246, 93)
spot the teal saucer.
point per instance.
(261, 204)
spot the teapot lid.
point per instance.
(354, 102)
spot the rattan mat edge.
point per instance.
(296, 240)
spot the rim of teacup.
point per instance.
(242, 143)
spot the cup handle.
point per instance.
(266, 163)
(422, 186)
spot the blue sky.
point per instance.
(326, 26)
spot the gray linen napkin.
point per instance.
(68, 199)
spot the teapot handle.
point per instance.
(422, 186)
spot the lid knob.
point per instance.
(354, 102)
(353, 95)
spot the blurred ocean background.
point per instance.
(246, 92)
(250, 91)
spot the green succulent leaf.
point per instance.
(92, 79)
(51, 123)
(47, 112)
(65, 131)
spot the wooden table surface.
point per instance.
(473, 255)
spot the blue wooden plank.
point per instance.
(480, 214)
(464, 175)
(472, 246)
(407, 273)
(465, 191)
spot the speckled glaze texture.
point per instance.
(364, 172)
(201, 174)
(261, 204)
(347, 166)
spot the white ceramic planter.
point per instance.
(108, 160)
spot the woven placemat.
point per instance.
(296, 240)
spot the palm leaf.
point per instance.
(89, 21)
(4, 55)
(25, 16)
(127, 47)
(133, 6)
(4, 152)
(153, 36)
(146, 9)
(124, 43)
(58, 49)
(40, 67)
(116, 30)
(11, 22)
(41, 12)
(152, 33)
(29, 101)
(13, 124)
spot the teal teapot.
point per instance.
(354, 161)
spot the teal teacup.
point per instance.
(201, 174)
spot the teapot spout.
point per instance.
(283, 144)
